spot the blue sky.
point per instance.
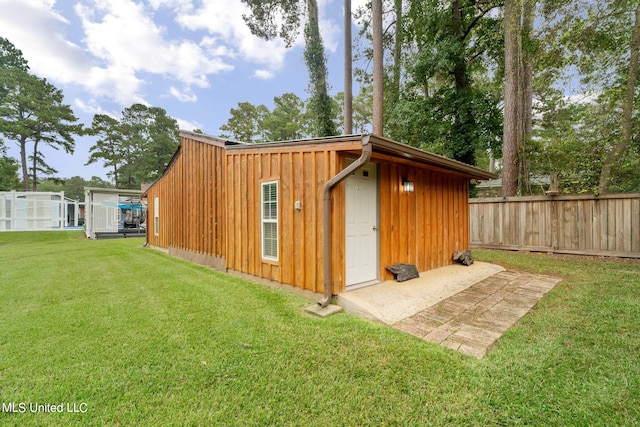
(194, 58)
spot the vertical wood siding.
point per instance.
(301, 173)
(210, 203)
(190, 194)
(604, 225)
(426, 226)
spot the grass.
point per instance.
(141, 338)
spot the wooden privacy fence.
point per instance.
(606, 225)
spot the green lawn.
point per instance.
(132, 336)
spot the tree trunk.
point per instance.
(378, 70)
(526, 110)
(115, 175)
(23, 164)
(459, 70)
(316, 64)
(397, 51)
(34, 184)
(464, 118)
(511, 133)
(627, 109)
(348, 71)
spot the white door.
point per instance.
(362, 226)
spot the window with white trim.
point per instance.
(156, 216)
(270, 220)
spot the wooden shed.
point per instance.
(327, 215)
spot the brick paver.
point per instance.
(473, 320)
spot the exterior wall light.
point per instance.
(407, 186)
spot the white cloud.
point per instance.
(229, 33)
(187, 125)
(331, 30)
(223, 20)
(183, 5)
(264, 74)
(185, 96)
(90, 107)
(36, 29)
(119, 43)
(123, 34)
(355, 5)
(115, 82)
(111, 48)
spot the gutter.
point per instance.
(330, 185)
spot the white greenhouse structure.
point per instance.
(113, 212)
(31, 211)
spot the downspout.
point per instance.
(341, 176)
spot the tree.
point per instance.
(138, 147)
(39, 168)
(627, 111)
(244, 123)
(10, 57)
(285, 121)
(32, 111)
(347, 109)
(56, 128)
(518, 93)
(74, 187)
(320, 103)
(512, 139)
(281, 18)
(9, 179)
(371, 19)
(526, 101)
(162, 143)
(448, 102)
(98, 182)
(597, 41)
(109, 145)
(397, 51)
(361, 110)
(150, 138)
(570, 138)
(378, 68)
(51, 185)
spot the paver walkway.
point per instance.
(472, 320)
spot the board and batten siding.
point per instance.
(603, 225)
(209, 203)
(424, 227)
(301, 173)
(190, 197)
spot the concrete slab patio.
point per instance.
(463, 308)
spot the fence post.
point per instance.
(554, 224)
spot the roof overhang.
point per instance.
(119, 191)
(379, 144)
(383, 146)
(208, 139)
(397, 149)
